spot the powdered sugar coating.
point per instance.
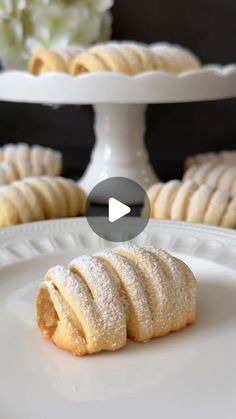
(105, 289)
(188, 201)
(141, 292)
(131, 277)
(220, 176)
(41, 197)
(40, 160)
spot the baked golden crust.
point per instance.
(46, 61)
(134, 58)
(99, 300)
(40, 198)
(123, 57)
(187, 201)
(43, 61)
(32, 160)
(222, 157)
(217, 176)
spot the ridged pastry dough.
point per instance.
(16, 170)
(145, 55)
(174, 58)
(46, 61)
(8, 172)
(99, 300)
(228, 157)
(219, 176)
(187, 201)
(98, 59)
(32, 160)
(40, 198)
(152, 194)
(165, 199)
(123, 57)
(134, 58)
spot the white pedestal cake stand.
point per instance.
(120, 103)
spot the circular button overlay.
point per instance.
(116, 216)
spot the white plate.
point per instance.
(191, 374)
(207, 83)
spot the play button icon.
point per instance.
(117, 210)
(109, 212)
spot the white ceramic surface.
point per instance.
(119, 149)
(210, 82)
(191, 374)
(120, 102)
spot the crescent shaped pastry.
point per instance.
(133, 58)
(98, 301)
(187, 201)
(44, 61)
(228, 157)
(101, 58)
(33, 160)
(40, 198)
(15, 170)
(87, 63)
(174, 58)
(217, 176)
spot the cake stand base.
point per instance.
(119, 149)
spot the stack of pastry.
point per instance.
(46, 61)
(95, 303)
(29, 161)
(15, 170)
(222, 157)
(218, 176)
(40, 198)
(123, 57)
(187, 201)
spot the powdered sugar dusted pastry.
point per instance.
(187, 201)
(152, 194)
(133, 58)
(33, 160)
(165, 199)
(40, 198)
(15, 170)
(98, 59)
(144, 54)
(220, 176)
(174, 58)
(228, 157)
(8, 172)
(181, 201)
(46, 61)
(100, 300)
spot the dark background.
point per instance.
(174, 131)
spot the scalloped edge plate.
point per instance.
(76, 232)
(207, 83)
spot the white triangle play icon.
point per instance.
(117, 210)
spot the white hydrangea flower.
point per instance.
(26, 25)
